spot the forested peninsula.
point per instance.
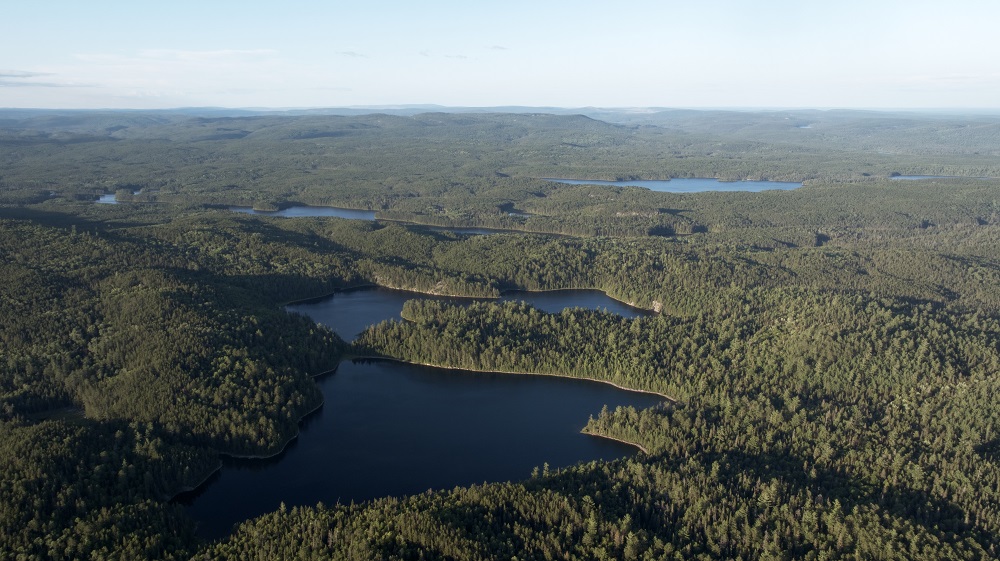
(832, 353)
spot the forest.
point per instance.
(831, 353)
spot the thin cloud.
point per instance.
(178, 54)
(352, 54)
(461, 57)
(173, 75)
(5, 83)
(23, 79)
(21, 74)
(498, 48)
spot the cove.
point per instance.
(392, 429)
(689, 184)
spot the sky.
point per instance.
(693, 53)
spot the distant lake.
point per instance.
(107, 199)
(353, 214)
(391, 429)
(918, 177)
(689, 185)
(304, 211)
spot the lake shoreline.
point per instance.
(483, 371)
(601, 290)
(315, 299)
(221, 464)
(197, 492)
(288, 441)
(623, 441)
(202, 481)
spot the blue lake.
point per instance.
(392, 429)
(689, 185)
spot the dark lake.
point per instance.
(394, 429)
(689, 185)
(349, 313)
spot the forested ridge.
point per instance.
(831, 352)
(472, 169)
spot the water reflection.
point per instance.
(395, 429)
(390, 428)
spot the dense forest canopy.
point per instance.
(832, 352)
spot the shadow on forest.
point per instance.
(251, 464)
(941, 518)
(50, 218)
(989, 450)
(474, 520)
(294, 238)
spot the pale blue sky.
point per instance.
(696, 53)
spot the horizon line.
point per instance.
(434, 106)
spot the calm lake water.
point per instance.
(107, 199)
(394, 429)
(349, 313)
(303, 211)
(689, 185)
